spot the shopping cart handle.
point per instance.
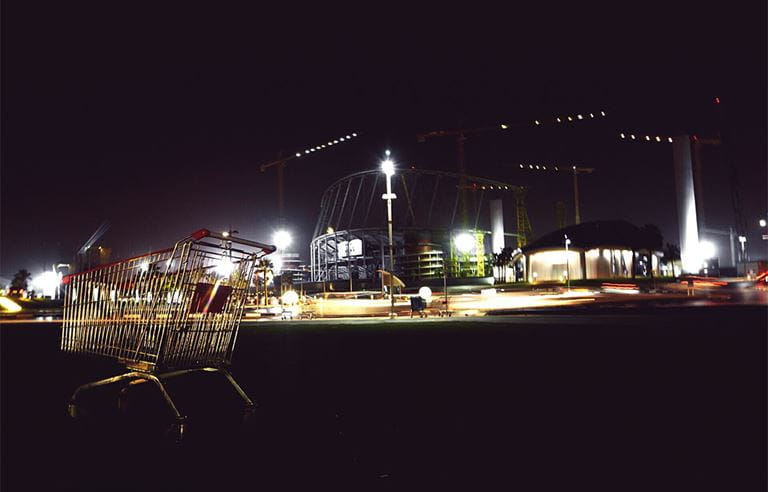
(201, 233)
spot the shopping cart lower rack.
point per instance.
(164, 314)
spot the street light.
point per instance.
(282, 239)
(762, 223)
(567, 262)
(743, 240)
(388, 168)
(464, 242)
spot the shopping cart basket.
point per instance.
(163, 314)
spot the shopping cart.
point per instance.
(163, 314)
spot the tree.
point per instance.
(265, 266)
(651, 238)
(671, 255)
(502, 260)
(671, 252)
(21, 280)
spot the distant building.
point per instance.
(93, 257)
(600, 249)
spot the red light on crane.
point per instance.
(717, 100)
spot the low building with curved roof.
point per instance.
(607, 249)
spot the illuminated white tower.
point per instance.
(686, 204)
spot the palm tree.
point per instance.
(265, 266)
(671, 255)
(502, 260)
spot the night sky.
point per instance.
(155, 118)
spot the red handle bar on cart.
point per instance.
(197, 235)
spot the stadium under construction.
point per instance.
(444, 225)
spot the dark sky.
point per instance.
(155, 117)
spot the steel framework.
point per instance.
(350, 236)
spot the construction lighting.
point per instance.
(282, 239)
(706, 250)
(464, 242)
(144, 267)
(503, 126)
(322, 146)
(388, 167)
(46, 282)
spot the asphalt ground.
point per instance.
(664, 399)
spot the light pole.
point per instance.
(567, 262)
(743, 240)
(445, 284)
(388, 168)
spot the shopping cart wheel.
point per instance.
(175, 432)
(72, 410)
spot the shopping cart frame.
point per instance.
(188, 329)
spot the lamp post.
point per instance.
(388, 168)
(567, 262)
(445, 285)
(743, 240)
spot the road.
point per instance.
(664, 399)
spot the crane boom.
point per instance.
(281, 161)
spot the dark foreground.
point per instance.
(670, 400)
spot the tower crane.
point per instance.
(82, 261)
(461, 134)
(281, 161)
